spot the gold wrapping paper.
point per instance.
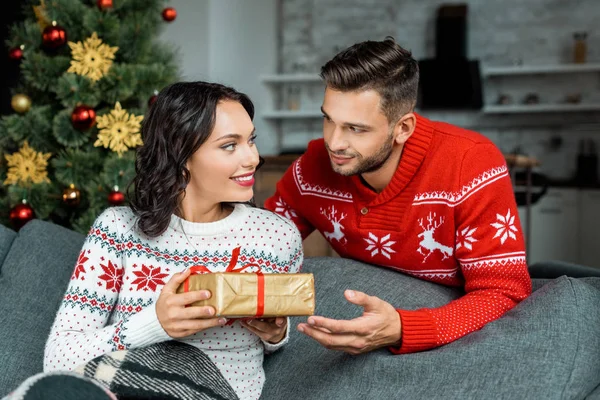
(235, 295)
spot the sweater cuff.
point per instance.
(419, 332)
(271, 347)
(143, 329)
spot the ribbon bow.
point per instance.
(260, 302)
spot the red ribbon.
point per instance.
(195, 269)
(260, 301)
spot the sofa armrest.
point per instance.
(35, 275)
(548, 344)
(554, 269)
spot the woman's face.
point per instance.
(222, 169)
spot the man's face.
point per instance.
(357, 134)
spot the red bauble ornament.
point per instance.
(104, 4)
(153, 98)
(16, 54)
(83, 117)
(54, 36)
(169, 14)
(115, 197)
(21, 214)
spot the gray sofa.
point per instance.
(548, 347)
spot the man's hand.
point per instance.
(270, 330)
(379, 326)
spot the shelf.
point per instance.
(486, 71)
(291, 78)
(290, 114)
(540, 108)
(491, 109)
(540, 69)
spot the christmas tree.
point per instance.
(89, 69)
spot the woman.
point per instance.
(194, 178)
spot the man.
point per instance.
(389, 187)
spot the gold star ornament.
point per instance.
(91, 58)
(27, 166)
(119, 130)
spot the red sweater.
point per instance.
(448, 216)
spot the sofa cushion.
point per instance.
(6, 238)
(545, 347)
(595, 395)
(34, 277)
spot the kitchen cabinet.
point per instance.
(554, 227)
(564, 226)
(589, 227)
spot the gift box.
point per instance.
(239, 295)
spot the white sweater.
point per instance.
(109, 304)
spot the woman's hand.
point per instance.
(270, 330)
(177, 319)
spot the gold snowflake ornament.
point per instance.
(27, 166)
(40, 15)
(119, 130)
(91, 58)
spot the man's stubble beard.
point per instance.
(370, 164)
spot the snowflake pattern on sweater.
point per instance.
(448, 215)
(109, 303)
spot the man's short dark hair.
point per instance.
(382, 66)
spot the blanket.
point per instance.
(167, 370)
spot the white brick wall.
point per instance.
(500, 32)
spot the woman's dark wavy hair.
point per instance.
(176, 125)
